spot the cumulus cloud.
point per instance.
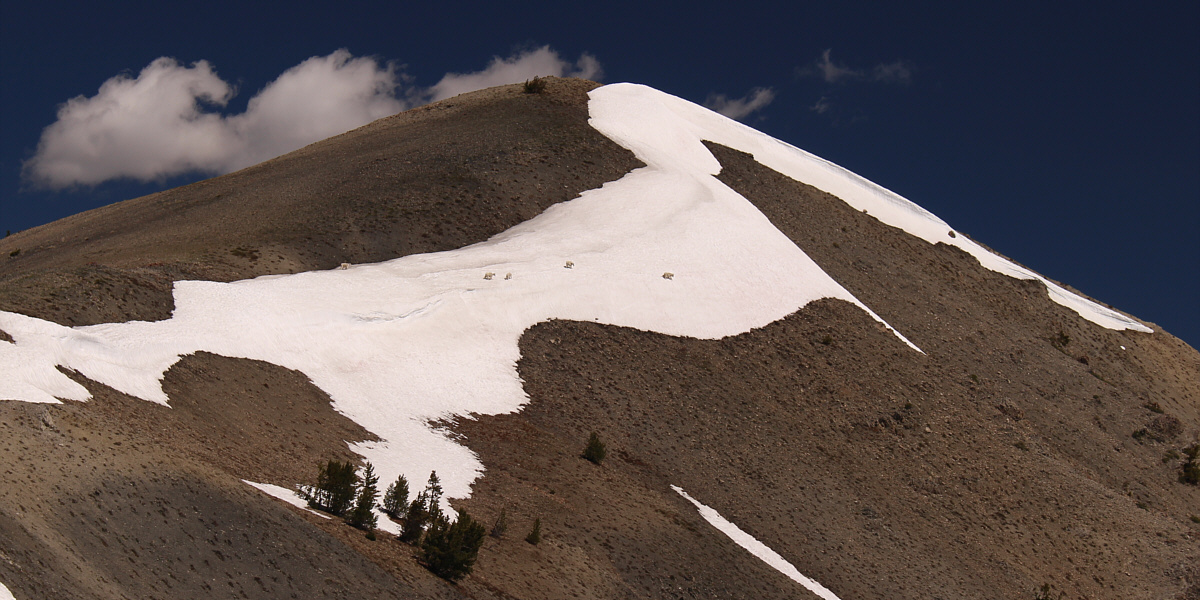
(899, 71)
(738, 108)
(524, 66)
(166, 121)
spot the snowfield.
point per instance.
(427, 337)
(668, 248)
(685, 123)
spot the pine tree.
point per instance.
(535, 536)
(395, 500)
(414, 523)
(501, 525)
(595, 449)
(424, 510)
(433, 490)
(450, 549)
(433, 496)
(363, 514)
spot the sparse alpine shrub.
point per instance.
(450, 549)
(1047, 593)
(1060, 339)
(535, 536)
(1189, 472)
(595, 451)
(536, 85)
(1165, 427)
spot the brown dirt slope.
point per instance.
(1006, 457)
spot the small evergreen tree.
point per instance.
(595, 449)
(362, 515)
(450, 549)
(433, 490)
(501, 525)
(433, 496)
(425, 509)
(535, 536)
(415, 521)
(335, 489)
(395, 500)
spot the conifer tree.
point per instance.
(335, 489)
(395, 500)
(595, 451)
(433, 496)
(414, 522)
(424, 510)
(362, 515)
(535, 536)
(450, 549)
(501, 525)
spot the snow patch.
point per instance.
(282, 493)
(5, 594)
(669, 130)
(757, 548)
(426, 338)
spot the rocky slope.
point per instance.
(1002, 458)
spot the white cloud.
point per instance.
(318, 98)
(899, 71)
(737, 108)
(514, 69)
(831, 72)
(822, 106)
(146, 127)
(893, 72)
(166, 121)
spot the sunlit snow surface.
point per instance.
(5, 594)
(657, 114)
(426, 337)
(757, 548)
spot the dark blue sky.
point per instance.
(1064, 135)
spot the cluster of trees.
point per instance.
(342, 492)
(448, 548)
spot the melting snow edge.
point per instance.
(757, 548)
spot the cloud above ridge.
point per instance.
(899, 71)
(167, 120)
(521, 67)
(738, 108)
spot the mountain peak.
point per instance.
(475, 284)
